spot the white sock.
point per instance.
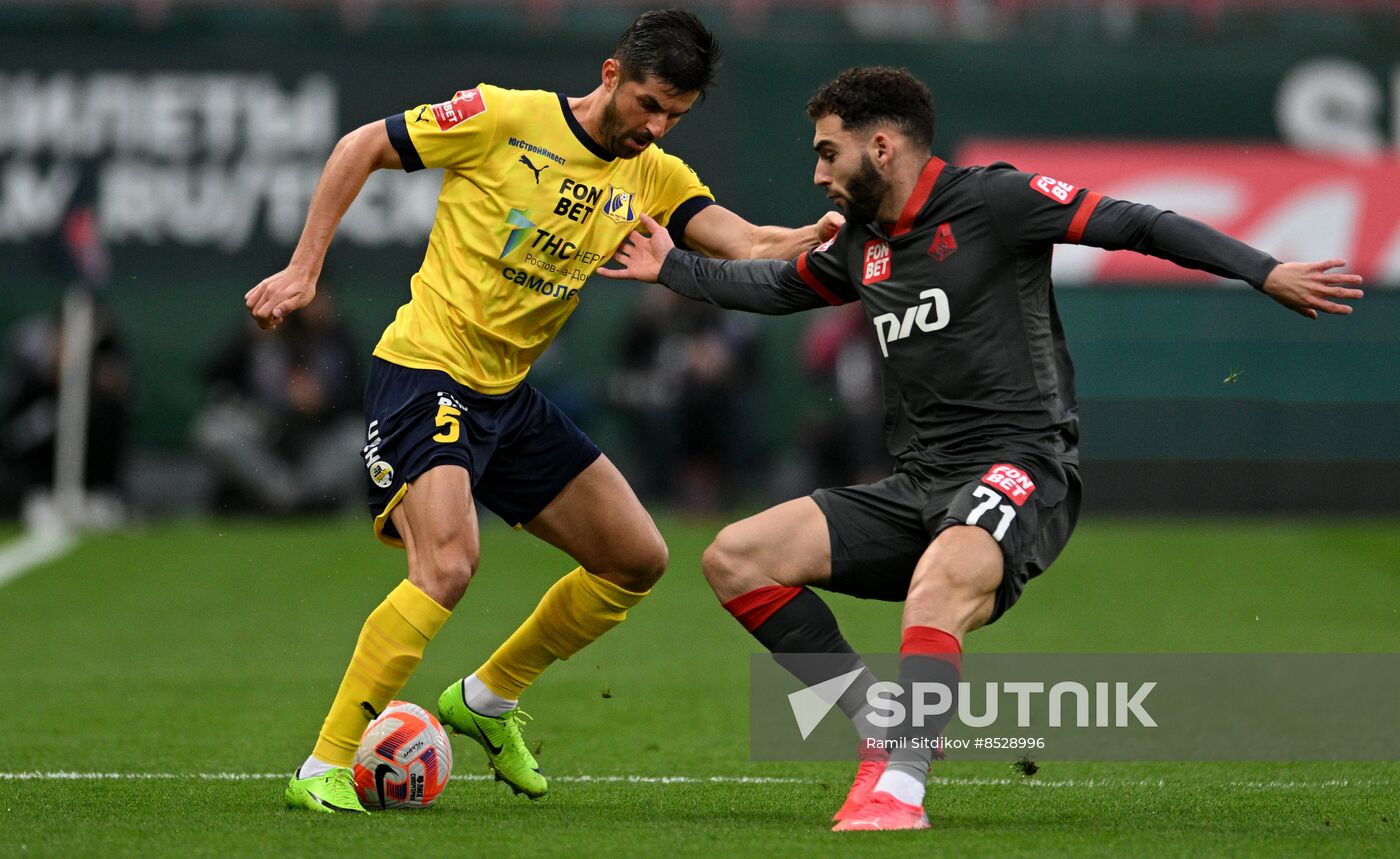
(314, 766)
(903, 786)
(483, 701)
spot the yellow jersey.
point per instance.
(530, 206)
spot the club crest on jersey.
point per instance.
(463, 106)
(1014, 483)
(876, 266)
(1060, 192)
(944, 245)
(619, 205)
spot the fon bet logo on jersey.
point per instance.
(1060, 192)
(463, 106)
(890, 327)
(877, 262)
(1014, 483)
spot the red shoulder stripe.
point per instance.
(1081, 217)
(809, 277)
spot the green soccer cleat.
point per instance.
(327, 793)
(500, 737)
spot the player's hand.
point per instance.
(641, 255)
(272, 300)
(1307, 287)
(829, 225)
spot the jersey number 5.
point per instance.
(449, 421)
(991, 498)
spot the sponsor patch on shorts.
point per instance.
(1011, 481)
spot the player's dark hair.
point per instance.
(866, 96)
(672, 45)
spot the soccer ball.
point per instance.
(404, 759)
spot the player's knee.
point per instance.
(641, 566)
(445, 575)
(649, 564)
(729, 565)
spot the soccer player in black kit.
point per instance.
(952, 265)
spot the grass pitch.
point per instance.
(178, 672)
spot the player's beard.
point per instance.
(615, 135)
(865, 192)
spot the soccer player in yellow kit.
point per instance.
(539, 190)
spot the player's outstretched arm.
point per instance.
(755, 285)
(357, 155)
(717, 232)
(1307, 287)
(1303, 287)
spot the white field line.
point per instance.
(31, 550)
(597, 779)
(1093, 783)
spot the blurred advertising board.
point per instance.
(1293, 204)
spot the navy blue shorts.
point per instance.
(518, 447)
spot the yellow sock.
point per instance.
(576, 610)
(391, 645)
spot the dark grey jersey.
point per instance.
(958, 296)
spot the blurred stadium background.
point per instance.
(163, 151)
(157, 157)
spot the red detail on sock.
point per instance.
(931, 641)
(755, 607)
(869, 752)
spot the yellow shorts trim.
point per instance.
(383, 517)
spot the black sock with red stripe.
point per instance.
(796, 621)
(926, 655)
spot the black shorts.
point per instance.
(518, 447)
(879, 531)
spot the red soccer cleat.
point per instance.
(882, 812)
(866, 778)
